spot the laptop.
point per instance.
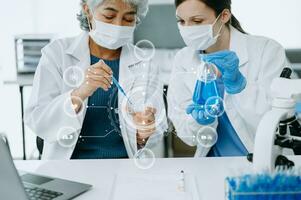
(28, 186)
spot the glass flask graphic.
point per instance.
(206, 96)
(205, 87)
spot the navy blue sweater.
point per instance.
(100, 136)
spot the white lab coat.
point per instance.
(45, 113)
(261, 60)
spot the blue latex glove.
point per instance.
(227, 63)
(198, 113)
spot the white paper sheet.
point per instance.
(154, 187)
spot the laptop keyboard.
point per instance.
(35, 193)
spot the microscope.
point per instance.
(279, 128)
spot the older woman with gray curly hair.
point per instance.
(73, 105)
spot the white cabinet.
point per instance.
(11, 121)
(31, 150)
(10, 118)
(1, 101)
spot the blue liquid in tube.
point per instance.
(121, 89)
(204, 91)
(206, 85)
(118, 86)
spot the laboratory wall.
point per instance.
(277, 19)
(33, 17)
(16, 17)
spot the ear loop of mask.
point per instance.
(220, 29)
(138, 21)
(89, 22)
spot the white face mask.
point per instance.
(111, 36)
(199, 37)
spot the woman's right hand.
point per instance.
(97, 76)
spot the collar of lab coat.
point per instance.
(238, 44)
(79, 49)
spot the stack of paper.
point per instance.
(154, 187)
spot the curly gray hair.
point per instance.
(141, 5)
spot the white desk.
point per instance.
(210, 172)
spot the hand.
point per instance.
(145, 123)
(97, 76)
(227, 63)
(199, 115)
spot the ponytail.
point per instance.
(236, 24)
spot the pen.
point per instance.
(182, 181)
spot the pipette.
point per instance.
(118, 85)
(121, 89)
